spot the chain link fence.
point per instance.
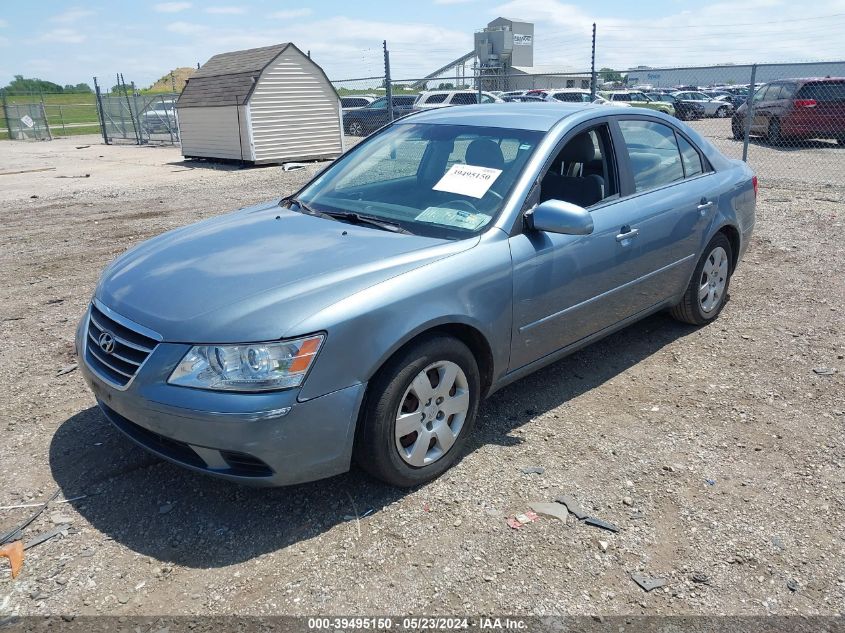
(786, 120)
(25, 122)
(140, 118)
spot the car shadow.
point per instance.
(177, 516)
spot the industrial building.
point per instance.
(263, 105)
(504, 60)
(738, 74)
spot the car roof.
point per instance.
(540, 117)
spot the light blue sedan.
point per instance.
(366, 316)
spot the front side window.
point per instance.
(652, 152)
(636, 96)
(438, 180)
(570, 83)
(487, 99)
(621, 97)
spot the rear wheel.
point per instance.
(708, 289)
(773, 134)
(419, 412)
(736, 130)
(722, 112)
(356, 128)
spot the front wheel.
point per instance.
(722, 112)
(737, 131)
(419, 412)
(708, 289)
(356, 128)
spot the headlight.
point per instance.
(247, 367)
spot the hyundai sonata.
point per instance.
(367, 315)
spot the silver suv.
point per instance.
(442, 98)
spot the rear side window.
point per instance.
(653, 154)
(621, 97)
(690, 158)
(438, 97)
(464, 98)
(823, 91)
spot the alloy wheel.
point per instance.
(432, 413)
(714, 278)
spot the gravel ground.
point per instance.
(717, 451)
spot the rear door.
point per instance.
(763, 100)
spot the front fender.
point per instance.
(471, 288)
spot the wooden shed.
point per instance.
(262, 105)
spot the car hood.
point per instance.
(254, 274)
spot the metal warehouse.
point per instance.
(263, 105)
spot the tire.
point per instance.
(356, 128)
(425, 452)
(736, 130)
(722, 112)
(713, 273)
(773, 133)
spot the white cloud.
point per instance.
(63, 36)
(226, 10)
(186, 28)
(171, 7)
(72, 15)
(291, 13)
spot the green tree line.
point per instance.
(20, 85)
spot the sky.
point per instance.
(69, 42)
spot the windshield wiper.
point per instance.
(303, 207)
(357, 218)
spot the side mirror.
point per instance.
(557, 216)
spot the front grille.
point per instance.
(131, 349)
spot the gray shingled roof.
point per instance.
(228, 78)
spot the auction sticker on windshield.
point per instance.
(454, 217)
(468, 180)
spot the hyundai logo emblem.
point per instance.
(106, 342)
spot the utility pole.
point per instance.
(593, 67)
(388, 89)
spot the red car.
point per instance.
(795, 109)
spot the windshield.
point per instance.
(437, 180)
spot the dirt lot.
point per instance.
(717, 451)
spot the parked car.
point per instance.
(577, 95)
(712, 107)
(367, 315)
(638, 99)
(159, 117)
(353, 102)
(684, 110)
(443, 98)
(366, 120)
(523, 99)
(795, 109)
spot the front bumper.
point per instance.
(269, 439)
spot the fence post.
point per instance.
(46, 123)
(122, 82)
(388, 88)
(6, 114)
(593, 67)
(749, 113)
(101, 115)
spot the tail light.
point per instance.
(756, 186)
(805, 103)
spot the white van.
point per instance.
(442, 98)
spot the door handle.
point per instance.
(627, 235)
(702, 208)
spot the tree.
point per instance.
(608, 74)
(21, 85)
(445, 86)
